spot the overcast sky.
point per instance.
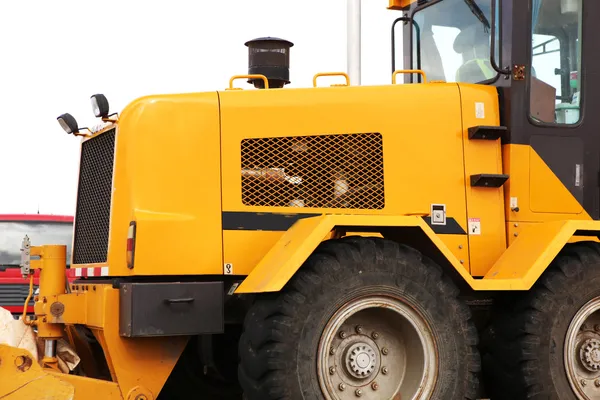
(55, 54)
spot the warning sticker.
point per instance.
(228, 269)
(479, 110)
(474, 226)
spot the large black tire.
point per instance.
(524, 359)
(279, 346)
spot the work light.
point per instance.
(68, 123)
(100, 105)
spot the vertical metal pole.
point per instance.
(354, 41)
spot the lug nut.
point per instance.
(597, 382)
(584, 327)
(385, 351)
(358, 392)
(583, 382)
(359, 329)
(342, 387)
(343, 335)
(332, 370)
(384, 370)
(374, 386)
(332, 351)
(375, 335)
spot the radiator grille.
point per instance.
(92, 218)
(324, 171)
(15, 294)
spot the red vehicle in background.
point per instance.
(41, 229)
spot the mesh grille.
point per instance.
(329, 171)
(92, 220)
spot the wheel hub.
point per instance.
(361, 360)
(590, 354)
(582, 352)
(376, 348)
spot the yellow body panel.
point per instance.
(427, 159)
(30, 381)
(411, 184)
(166, 178)
(534, 249)
(484, 205)
(531, 180)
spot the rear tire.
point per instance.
(408, 306)
(538, 347)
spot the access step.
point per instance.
(487, 132)
(488, 180)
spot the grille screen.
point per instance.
(92, 218)
(15, 295)
(330, 171)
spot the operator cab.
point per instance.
(540, 54)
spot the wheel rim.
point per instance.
(582, 352)
(377, 348)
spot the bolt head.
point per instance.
(374, 386)
(597, 328)
(385, 351)
(342, 387)
(343, 334)
(332, 351)
(584, 327)
(332, 370)
(359, 329)
(358, 392)
(384, 370)
(375, 335)
(583, 382)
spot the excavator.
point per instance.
(436, 237)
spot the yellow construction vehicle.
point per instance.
(436, 239)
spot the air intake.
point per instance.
(270, 57)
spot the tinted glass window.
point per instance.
(555, 84)
(455, 40)
(40, 233)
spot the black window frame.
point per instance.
(581, 72)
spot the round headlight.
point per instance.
(100, 105)
(68, 123)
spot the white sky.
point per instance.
(55, 54)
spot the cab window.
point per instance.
(555, 78)
(455, 40)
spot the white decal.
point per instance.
(577, 175)
(514, 203)
(228, 269)
(474, 226)
(479, 110)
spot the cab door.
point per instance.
(554, 140)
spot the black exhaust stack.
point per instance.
(270, 57)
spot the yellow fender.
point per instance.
(518, 268)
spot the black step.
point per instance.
(488, 180)
(487, 132)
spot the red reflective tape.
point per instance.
(17, 309)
